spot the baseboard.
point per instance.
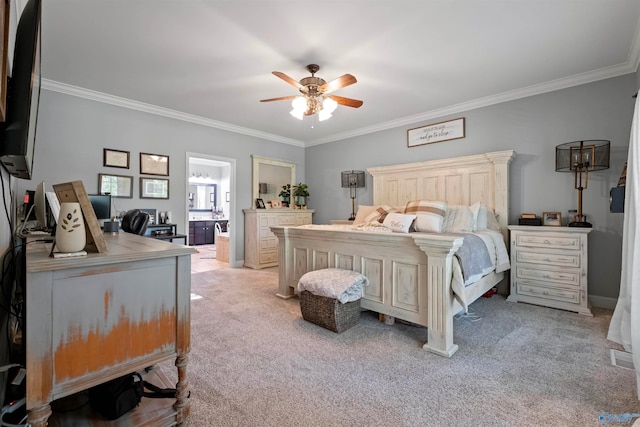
(622, 359)
(603, 302)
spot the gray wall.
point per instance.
(532, 127)
(73, 131)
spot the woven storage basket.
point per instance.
(329, 312)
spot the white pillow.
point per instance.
(398, 223)
(459, 219)
(475, 210)
(429, 214)
(492, 221)
(363, 212)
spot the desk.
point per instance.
(94, 318)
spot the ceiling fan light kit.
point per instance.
(315, 96)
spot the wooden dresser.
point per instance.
(260, 244)
(94, 318)
(549, 267)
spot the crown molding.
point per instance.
(575, 80)
(578, 79)
(161, 111)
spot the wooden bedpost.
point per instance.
(439, 250)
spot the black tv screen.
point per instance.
(17, 139)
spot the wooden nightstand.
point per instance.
(549, 267)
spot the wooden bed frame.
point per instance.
(409, 274)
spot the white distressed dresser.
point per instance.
(260, 244)
(549, 267)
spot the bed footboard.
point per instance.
(409, 274)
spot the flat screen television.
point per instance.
(18, 135)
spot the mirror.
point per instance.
(202, 197)
(272, 174)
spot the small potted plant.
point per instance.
(300, 194)
(285, 194)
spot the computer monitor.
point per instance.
(102, 207)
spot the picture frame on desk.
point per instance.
(552, 219)
(260, 204)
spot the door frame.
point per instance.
(231, 215)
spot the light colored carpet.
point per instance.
(256, 362)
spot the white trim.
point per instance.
(233, 234)
(161, 111)
(578, 79)
(575, 80)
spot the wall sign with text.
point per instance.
(437, 132)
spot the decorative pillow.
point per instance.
(429, 214)
(492, 221)
(475, 210)
(397, 222)
(363, 212)
(379, 214)
(459, 219)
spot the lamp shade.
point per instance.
(580, 156)
(352, 179)
(262, 188)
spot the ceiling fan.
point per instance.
(315, 96)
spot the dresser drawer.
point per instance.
(548, 241)
(567, 277)
(267, 257)
(540, 257)
(565, 295)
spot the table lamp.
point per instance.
(582, 157)
(352, 180)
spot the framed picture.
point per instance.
(115, 185)
(115, 158)
(437, 132)
(154, 188)
(260, 204)
(154, 164)
(276, 203)
(552, 218)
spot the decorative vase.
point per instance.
(70, 232)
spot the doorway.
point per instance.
(208, 171)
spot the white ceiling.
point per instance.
(211, 61)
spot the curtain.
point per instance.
(625, 323)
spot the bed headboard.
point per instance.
(457, 180)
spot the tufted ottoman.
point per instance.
(330, 297)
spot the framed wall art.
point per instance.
(437, 132)
(115, 185)
(115, 158)
(154, 188)
(154, 164)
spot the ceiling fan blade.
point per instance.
(348, 102)
(282, 98)
(288, 79)
(340, 82)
